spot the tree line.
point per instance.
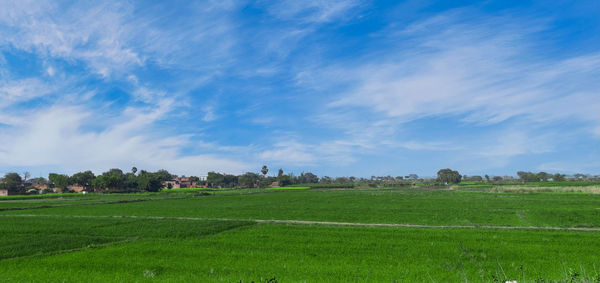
(250, 179)
(111, 180)
(134, 180)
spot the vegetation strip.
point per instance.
(91, 203)
(91, 246)
(323, 223)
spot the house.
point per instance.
(78, 188)
(40, 186)
(173, 184)
(5, 192)
(58, 190)
(179, 182)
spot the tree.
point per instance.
(487, 178)
(248, 180)
(39, 180)
(543, 176)
(11, 182)
(308, 178)
(558, 177)
(264, 170)
(111, 179)
(134, 170)
(83, 178)
(527, 176)
(284, 180)
(151, 182)
(279, 173)
(476, 178)
(214, 179)
(130, 182)
(163, 175)
(58, 180)
(412, 177)
(448, 176)
(26, 176)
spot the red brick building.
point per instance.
(40, 186)
(78, 188)
(179, 182)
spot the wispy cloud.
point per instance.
(108, 36)
(56, 137)
(15, 91)
(124, 45)
(480, 72)
(318, 11)
(480, 75)
(95, 34)
(219, 85)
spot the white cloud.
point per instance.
(15, 91)
(108, 36)
(476, 70)
(209, 114)
(96, 35)
(290, 152)
(499, 148)
(420, 145)
(483, 72)
(57, 138)
(318, 11)
(580, 166)
(50, 71)
(114, 40)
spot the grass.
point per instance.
(87, 199)
(194, 189)
(287, 188)
(474, 185)
(60, 245)
(533, 189)
(314, 254)
(530, 184)
(230, 189)
(39, 196)
(25, 236)
(414, 206)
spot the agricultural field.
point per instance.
(304, 235)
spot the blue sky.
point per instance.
(338, 87)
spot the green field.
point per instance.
(266, 236)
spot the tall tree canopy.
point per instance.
(448, 176)
(11, 182)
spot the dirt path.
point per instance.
(321, 223)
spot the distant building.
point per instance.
(78, 188)
(5, 192)
(40, 186)
(179, 182)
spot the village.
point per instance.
(42, 186)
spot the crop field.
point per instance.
(304, 235)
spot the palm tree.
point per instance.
(264, 170)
